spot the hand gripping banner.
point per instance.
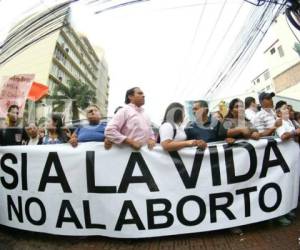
(133, 194)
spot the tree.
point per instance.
(80, 94)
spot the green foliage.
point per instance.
(42, 121)
(81, 94)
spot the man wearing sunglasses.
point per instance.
(13, 133)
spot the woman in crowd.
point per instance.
(287, 130)
(237, 124)
(56, 134)
(171, 132)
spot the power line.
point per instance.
(212, 32)
(204, 50)
(199, 22)
(224, 77)
(192, 43)
(196, 4)
(288, 23)
(120, 6)
(225, 72)
(225, 35)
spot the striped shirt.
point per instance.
(264, 119)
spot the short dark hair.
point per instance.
(248, 101)
(14, 106)
(279, 104)
(202, 103)
(129, 92)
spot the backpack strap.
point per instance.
(174, 129)
(174, 132)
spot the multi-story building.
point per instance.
(59, 57)
(263, 82)
(282, 74)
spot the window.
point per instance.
(60, 56)
(258, 80)
(272, 51)
(280, 51)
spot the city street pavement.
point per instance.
(265, 236)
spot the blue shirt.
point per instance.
(210, 131)
(47, 140)
(91, 133)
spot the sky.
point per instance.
(170, 48)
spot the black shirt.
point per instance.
(12, 136)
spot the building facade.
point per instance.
(59, 57)
(282, 61)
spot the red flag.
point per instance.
(37, 91)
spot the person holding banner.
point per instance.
(131, 125)
(12, 133)
(265, 120)
(287, 130)
(94, 131)
(171, 132)
(206, 127)
(236, 123)
(56, 134)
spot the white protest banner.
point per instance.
(121, 193)
(14, 90)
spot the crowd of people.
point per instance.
(131, 126)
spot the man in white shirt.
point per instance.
(287, 130)
(265, 120)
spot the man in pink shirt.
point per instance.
(130, 125)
